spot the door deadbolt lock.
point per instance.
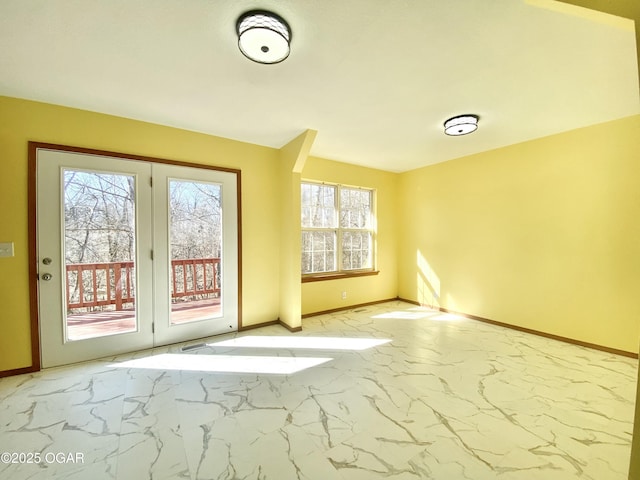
(46, 277)
(46, 261)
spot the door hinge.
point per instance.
(151, 181)
(153, 328)
(151, 254)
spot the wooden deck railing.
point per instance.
(100, 284)
(196, 278)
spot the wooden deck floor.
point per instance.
(96, 324)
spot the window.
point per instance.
(337, 229)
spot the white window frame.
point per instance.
(339, 232)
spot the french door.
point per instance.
(132, 254)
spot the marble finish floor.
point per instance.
(418, 395)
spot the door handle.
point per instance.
(46, 277)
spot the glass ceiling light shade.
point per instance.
(263, 36)
(461, 125)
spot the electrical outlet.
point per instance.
(6, 249)
(344, 295)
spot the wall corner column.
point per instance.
(292, 159)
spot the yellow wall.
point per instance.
(326, 295)
(543, 234)
(292, 159)
(21, 121)
(621, 8)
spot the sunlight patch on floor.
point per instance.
(408, 314)
(319, 343)
(419, 314)
(224, 363)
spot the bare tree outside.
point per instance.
(196, 219)
(337, 230)
(99, 217)
(319, 222)
(195, 223)
(100, 240)
(99, 230)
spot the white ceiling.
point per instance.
(375, 78)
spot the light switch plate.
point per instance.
(6, 249)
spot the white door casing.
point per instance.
(167, 332)
(152, 284)
(56, 349)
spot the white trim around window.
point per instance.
(338, 230)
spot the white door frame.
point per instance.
(164, 332)
(56, 348)
(36, 283)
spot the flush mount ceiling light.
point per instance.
(461, 125)
(263, 36)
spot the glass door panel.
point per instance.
(195, 253)
(94, 263)
(195, 239)
(126, 262)
(99, 254)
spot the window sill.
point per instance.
(336, 276)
